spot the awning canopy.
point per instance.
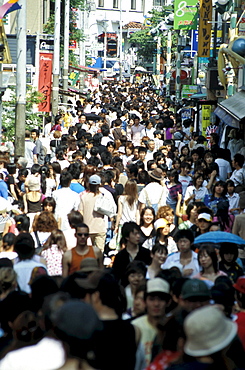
(232, 110)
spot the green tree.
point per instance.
(145, 41)
(76, 34)
(33, 118)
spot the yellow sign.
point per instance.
(206, 113)
(5, 56)
(205, 27)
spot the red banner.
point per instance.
(45, 80)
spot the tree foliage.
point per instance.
(76, 33)
(33, 118)
(146, 41)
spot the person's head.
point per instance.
(45, 222)
(173, 176)
(130, 190)
(49, 204)
(176, 163)
(159, 253)
(147, 216)
(185, 168)
(56, 237)
(139, 306)
(105, 129)
(191, 211)
(185, 151)
(8, 280)
(220, 189)
(129, 148)
(165, 212)
(34, 134)
(195, 155)
(198, 180)
(208, 332)
(162, 227)
(8, 241)
(209, 158)
(151, 145)
(106, 158)
(74, 218)
(230, 187)
(135, 273)
(11, 168)
(65, 179)
(215, 226)
(24, 246)
(204, 218)
(132, 171)
(75, 170)
(184, 240)
(157, 298)
(228, 253)
(238, 160)
(194, 294)
(130, 233)
(94, 184)
(22, 162)
(82, 234)
(22, 223)
(142, 153)
(207, 257)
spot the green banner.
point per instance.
(185, 14)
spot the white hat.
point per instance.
(208, 331)
(205, 216)
(157, 285)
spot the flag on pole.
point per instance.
(9, 7)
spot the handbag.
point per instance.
(103, 206)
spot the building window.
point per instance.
(115, 3)
(158, 2)
(133, 4)
(101, 3)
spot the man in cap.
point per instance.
(154, 194)
(157, 298)
(72, 258)
(194, 294)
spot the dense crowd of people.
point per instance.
(100, 264)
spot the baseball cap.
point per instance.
(240, 284)
(157, 285)
(205, 216)
(160, 223)
(195, 288)
(94, 180)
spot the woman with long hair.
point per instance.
(162, 228)
(89, 170)
(147, 231)
(197, 191)
(48, 183)
(8, 281)
(223, 217)
(53, 250)
(159, 255)
(174, 188)
(208, 260)
(128, 205)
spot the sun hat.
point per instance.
(157, 285)
(205, 216)
(156, 174)
(89, 265)
(160, 223)
(94, 180)
(154, 112)
(208, 331)
(195, 288)
(240, 284)
(33, 183)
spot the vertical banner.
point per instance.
(206, 116)
(205, 27)
(45, 80)
(185, 14)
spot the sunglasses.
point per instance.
(81, 234)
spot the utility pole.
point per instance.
(178, 69)
(20, 115)
(168, 62)
(66, 48)
(158, 60)
(105, 46)
(56, 59)
(121, 39)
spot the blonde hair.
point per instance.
(8, 279)
(130, 190)
(164, 211)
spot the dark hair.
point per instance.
(11, 168)
(189, 208)
(49, 201)
(143, 212)
(132, 169)
(44, 172)
(128, 227)
(239, 158)
(105, 129)
(36, 131)
(22, 222)
(75, 170)
(75, 218)
(185, 165)
(195, 178)
(81, 225)
(56, 167)
(209, 249)
(9, 240)
(143, 177)
(65, 179)
(159, 248)
(108, 176)
(106, 158)
(175, 175)
(24, 246)
(222, 214)
(136, 266)
(230, 183)
(35, 169)
(185, 233)
(226, 248)
(224, 185)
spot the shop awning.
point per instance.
(232, 110)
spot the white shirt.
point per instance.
(224, 168)
(174, 260)
(157, 194)
(199, 194)
(66, 200)
(23, 270)
(185, 182)
(48, 354)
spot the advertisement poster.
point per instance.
(185, 14)
(206, 114)
(205, 27)
(45, 81)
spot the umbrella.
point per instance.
(218, 237)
